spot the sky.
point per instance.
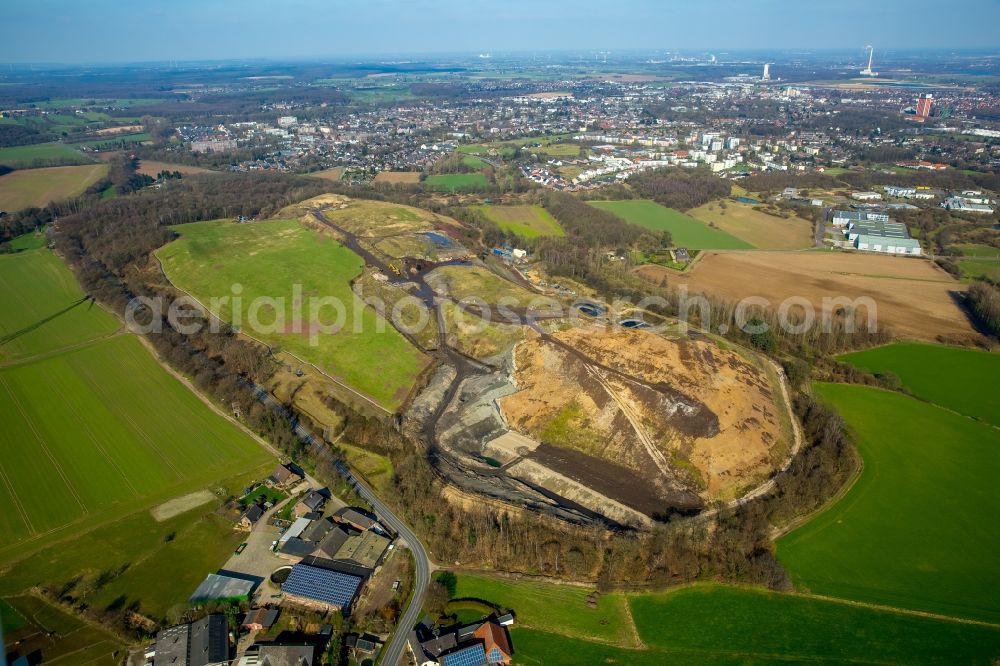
(69, 31)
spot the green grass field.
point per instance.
(474, 162)
(59, 637)
(979, 261)
(44, 308)
(718, 624)
(137, 560)
(963, 380)
(457, 182)
(685, 230)
(29, 241)
(550, 607)
(115, 140)
(918, 528)
(267, 259)
(525, 221)
(37, 187)
(101, 431)
(23, 157)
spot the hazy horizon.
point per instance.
(110, 32)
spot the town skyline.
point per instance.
(214, 31)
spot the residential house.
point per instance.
(250, 517)
(483, 643)
(286, 475)
(310, 502)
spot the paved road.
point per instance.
(393, 652)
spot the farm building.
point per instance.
(280, 654)
(321, 589)
(356, 518)
(199, 643)
(220, 587)
(477, 644)
(295, 530)
(260, 619)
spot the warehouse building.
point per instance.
(844, 218)
(908, 246)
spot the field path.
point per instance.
(651, 450)
(17, 501)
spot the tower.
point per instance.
(767, 72)
(867, 71)
(924, 103)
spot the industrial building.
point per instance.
(887, 244)
(844, 218)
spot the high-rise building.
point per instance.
(924, 103)
(767, 72)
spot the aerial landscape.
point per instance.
(654, 333)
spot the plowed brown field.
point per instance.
(912, 296)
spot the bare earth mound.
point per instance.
(912, 296)
(692, 419)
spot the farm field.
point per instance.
(474, 162)
(44, 309)
(58, 637)
(138, 559)
(755, 227)
(115, 140)
(523, 220)
(917, 529)
(40, 154)
(151, 168)
(979, 261)
(685, 230)
(912, 296)
(718, 624)
(961, 379)
(29, 241)
(457, 182)
(398, 177)
(267, 259)
(115, 432)
(37, 187)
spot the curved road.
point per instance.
(393, 651)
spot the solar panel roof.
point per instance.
(474, 655)
(331, 587)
